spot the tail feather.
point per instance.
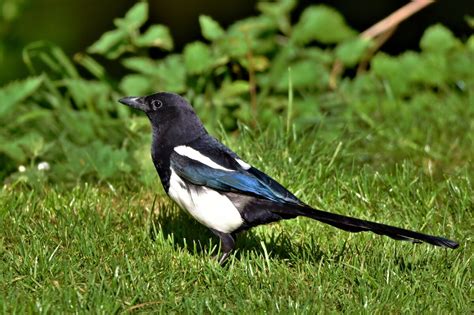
(357, 225)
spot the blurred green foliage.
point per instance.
(10, 12)
(66, 113)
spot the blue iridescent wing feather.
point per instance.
(250, 181)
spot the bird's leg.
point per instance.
(227, 245)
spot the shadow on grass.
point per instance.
(190, 235)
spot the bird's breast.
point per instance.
(206, 205)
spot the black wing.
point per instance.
(239, 180)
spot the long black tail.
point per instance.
(357, 225)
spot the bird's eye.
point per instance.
(156, 104)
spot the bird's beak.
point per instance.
(134, 102)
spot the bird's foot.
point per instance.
(223, 259)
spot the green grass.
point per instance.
(117, 248)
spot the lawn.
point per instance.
(119, 247)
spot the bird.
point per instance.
(222, 191)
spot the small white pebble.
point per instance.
(43, 166)
(21, 169)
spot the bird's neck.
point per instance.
(163, 143)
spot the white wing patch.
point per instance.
(244, 165)
(193, 154)
(206, 205)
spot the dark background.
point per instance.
(74, 25)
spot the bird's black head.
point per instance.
(170, 115)
(157, 103)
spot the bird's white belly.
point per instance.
(206, 205)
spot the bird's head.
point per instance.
(156, 104)
(169, 113)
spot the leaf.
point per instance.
(97, 158)
(258, 63)
(305, 74)
(137, 14)
(15, 92)
(197, 57)
(87, 93)
(351, 51)
(78, 125)
(134, 18)
(388, 68)
(278, 8)
(172, 74)
(460, 67)
(234, 45)
(141, 64)
(279, 11)
(107, 161)
(210, 29)
(470, 43)
(438, 39)
(114, 43)
(111, 44)
(168, 74)
(323, 24)
(21, 148)
(135, 84)
(32, 143)
(470, 21)
(50, 55)
(319, 55)
(407, 72)
(12, 149)
(31, 115)
(95, 68)
(232, 89)
(253, 26)
(147, 172)
(65, 62)
(430, 70)
(246, 35)
(156, 36)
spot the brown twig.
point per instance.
(337, 68)
(373, 49)
(395, 18)
(380, 32)
(252, 84)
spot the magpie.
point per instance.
(225, 193)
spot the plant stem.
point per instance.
(290, 102)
